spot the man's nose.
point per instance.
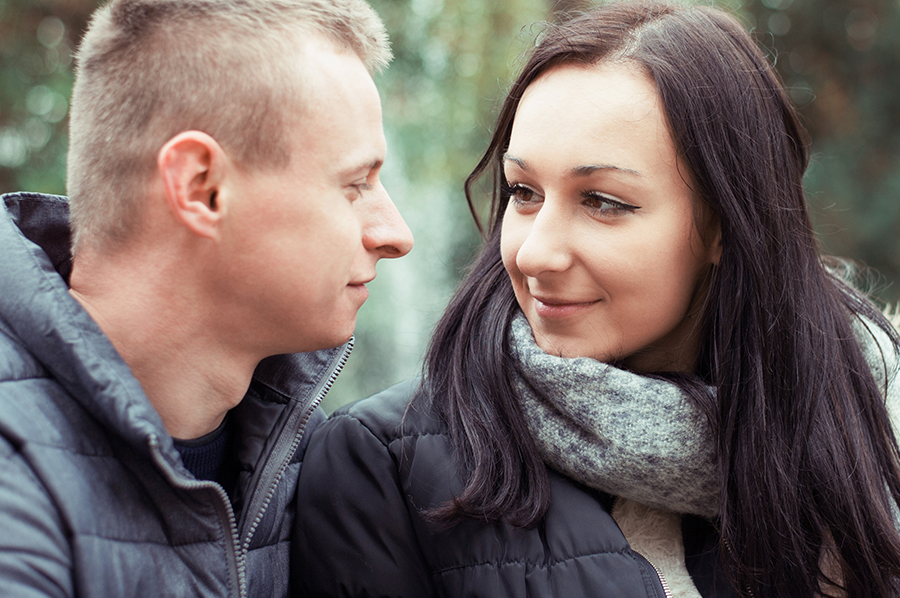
(385, 233)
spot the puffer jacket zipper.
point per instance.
(285, 447)
(662, 580)
(237, 583)
(728, 548)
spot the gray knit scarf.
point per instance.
(616, 431)
(639, 437)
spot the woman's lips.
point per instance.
(559, 308)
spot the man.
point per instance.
(226, 210)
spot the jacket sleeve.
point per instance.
(353, 535)
(35, 556)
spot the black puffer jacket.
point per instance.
(365, 479)
(94, 500)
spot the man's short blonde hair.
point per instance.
(150, 69)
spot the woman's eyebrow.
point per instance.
(589, 169)
(578, 171)
(517, 161)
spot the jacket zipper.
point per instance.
(728, 548)
(662, 580)
(237, 554)
(226, 512)
(336, 366)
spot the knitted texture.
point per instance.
(634, 436)
(628, 435)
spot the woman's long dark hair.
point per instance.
(806, 453)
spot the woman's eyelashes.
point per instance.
(520, 194)
(605, 205)
(597, 203)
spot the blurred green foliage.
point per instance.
(454, 59)
(36, 46)
(841, 62)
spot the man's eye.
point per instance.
(359, 188)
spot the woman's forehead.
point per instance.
(591, 118)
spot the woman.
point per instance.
(649, 330)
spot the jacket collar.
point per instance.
(36, 306)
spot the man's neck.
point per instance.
(169, 338)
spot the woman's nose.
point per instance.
(545, 245)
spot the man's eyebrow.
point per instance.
(578, 171)
(365, 166)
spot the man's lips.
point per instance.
(359, 288)
(361, 282)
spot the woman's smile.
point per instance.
(551, 308)
(600, 237)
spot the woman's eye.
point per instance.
(604, 205)
(518, 193)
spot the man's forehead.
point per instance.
(339, 129)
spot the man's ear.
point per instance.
(192, 165)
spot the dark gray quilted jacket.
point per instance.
(374, 466)
(94, 499)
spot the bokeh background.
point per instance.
(454, 60)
